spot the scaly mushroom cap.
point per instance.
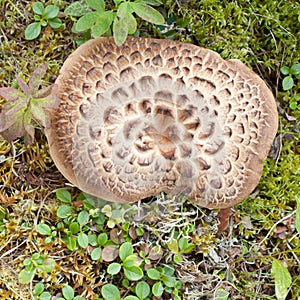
(158, 115)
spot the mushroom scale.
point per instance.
(157, 116)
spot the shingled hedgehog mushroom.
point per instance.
(157, 116)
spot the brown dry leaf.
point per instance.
(110, 253)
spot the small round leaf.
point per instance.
(38, 8)
(142, 290)
(157, 289)
(68, 292)
(133, 273)
(50, 12)
(32, 31)
(110, 292)
(287, 83)
(113, 268)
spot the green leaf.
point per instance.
(157, 289)
(26, 276)
(32, 31)
(221, 294)
(133, 273)
(153, 274)
(96, 254)
(71, 242)
(98, 5)
(87, 21)
(287, 83)
(130, 260)
(102, 239)
(92, 240)
(38, 288)
(44, 229)
(38, 8)
(68, 292)
(83, 218)
(45, 296)
(114, 268)
(131, 298)
(298, 214)
(83, 240)
(132, 24)
(125, 250)
(64, 196)
(50, 12)
(48, 265)
(147, 13)
(142, 290)
(64, 211)
(77, 9)
(74, 227)
(110, 292)
(79, 298)
(169, 281)
(55, 23)
(285, 70)
(103, 23)
(282, 278)
(295, 69)
(120, 24)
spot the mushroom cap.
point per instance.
(158, 115)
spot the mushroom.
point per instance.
(157, 116)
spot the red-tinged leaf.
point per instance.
(10, 93)
(36, 77)
(13, 128)
(29, 128)
(23, 86)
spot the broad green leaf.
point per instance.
(130, 260)
(77, 9)
(83, 240)
(142, 290)
(98, 5)
(48, 265)
(157, 289)
(68, 292)
(55, 23)
(298, 214)
(110, 292)
(131, 298)
(295, 69)
(102, 239)
(285, 70)
(147, 13)
(114, 268)
(83, 218)
(32, 31)
(87, 21)
(63, 195)
(64, 211)
(132, 24)
(96, 254)
(133, 273)
(38, 288)
(71, 242)
(125, 250)
(74, 227)
(168, 281)
(50, 12)
(36, 77)
(287, 83)
(282, 278)
(38, 8)
(103, 23)
(26, 276)
(153, 274)
(121, 22)
(44, 229)
(92, 240)
(45, 296)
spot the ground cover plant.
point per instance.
(59, 243)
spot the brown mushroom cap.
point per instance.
(158, 115)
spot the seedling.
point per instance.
(120, 20)
(26, 107)
(43, 16)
